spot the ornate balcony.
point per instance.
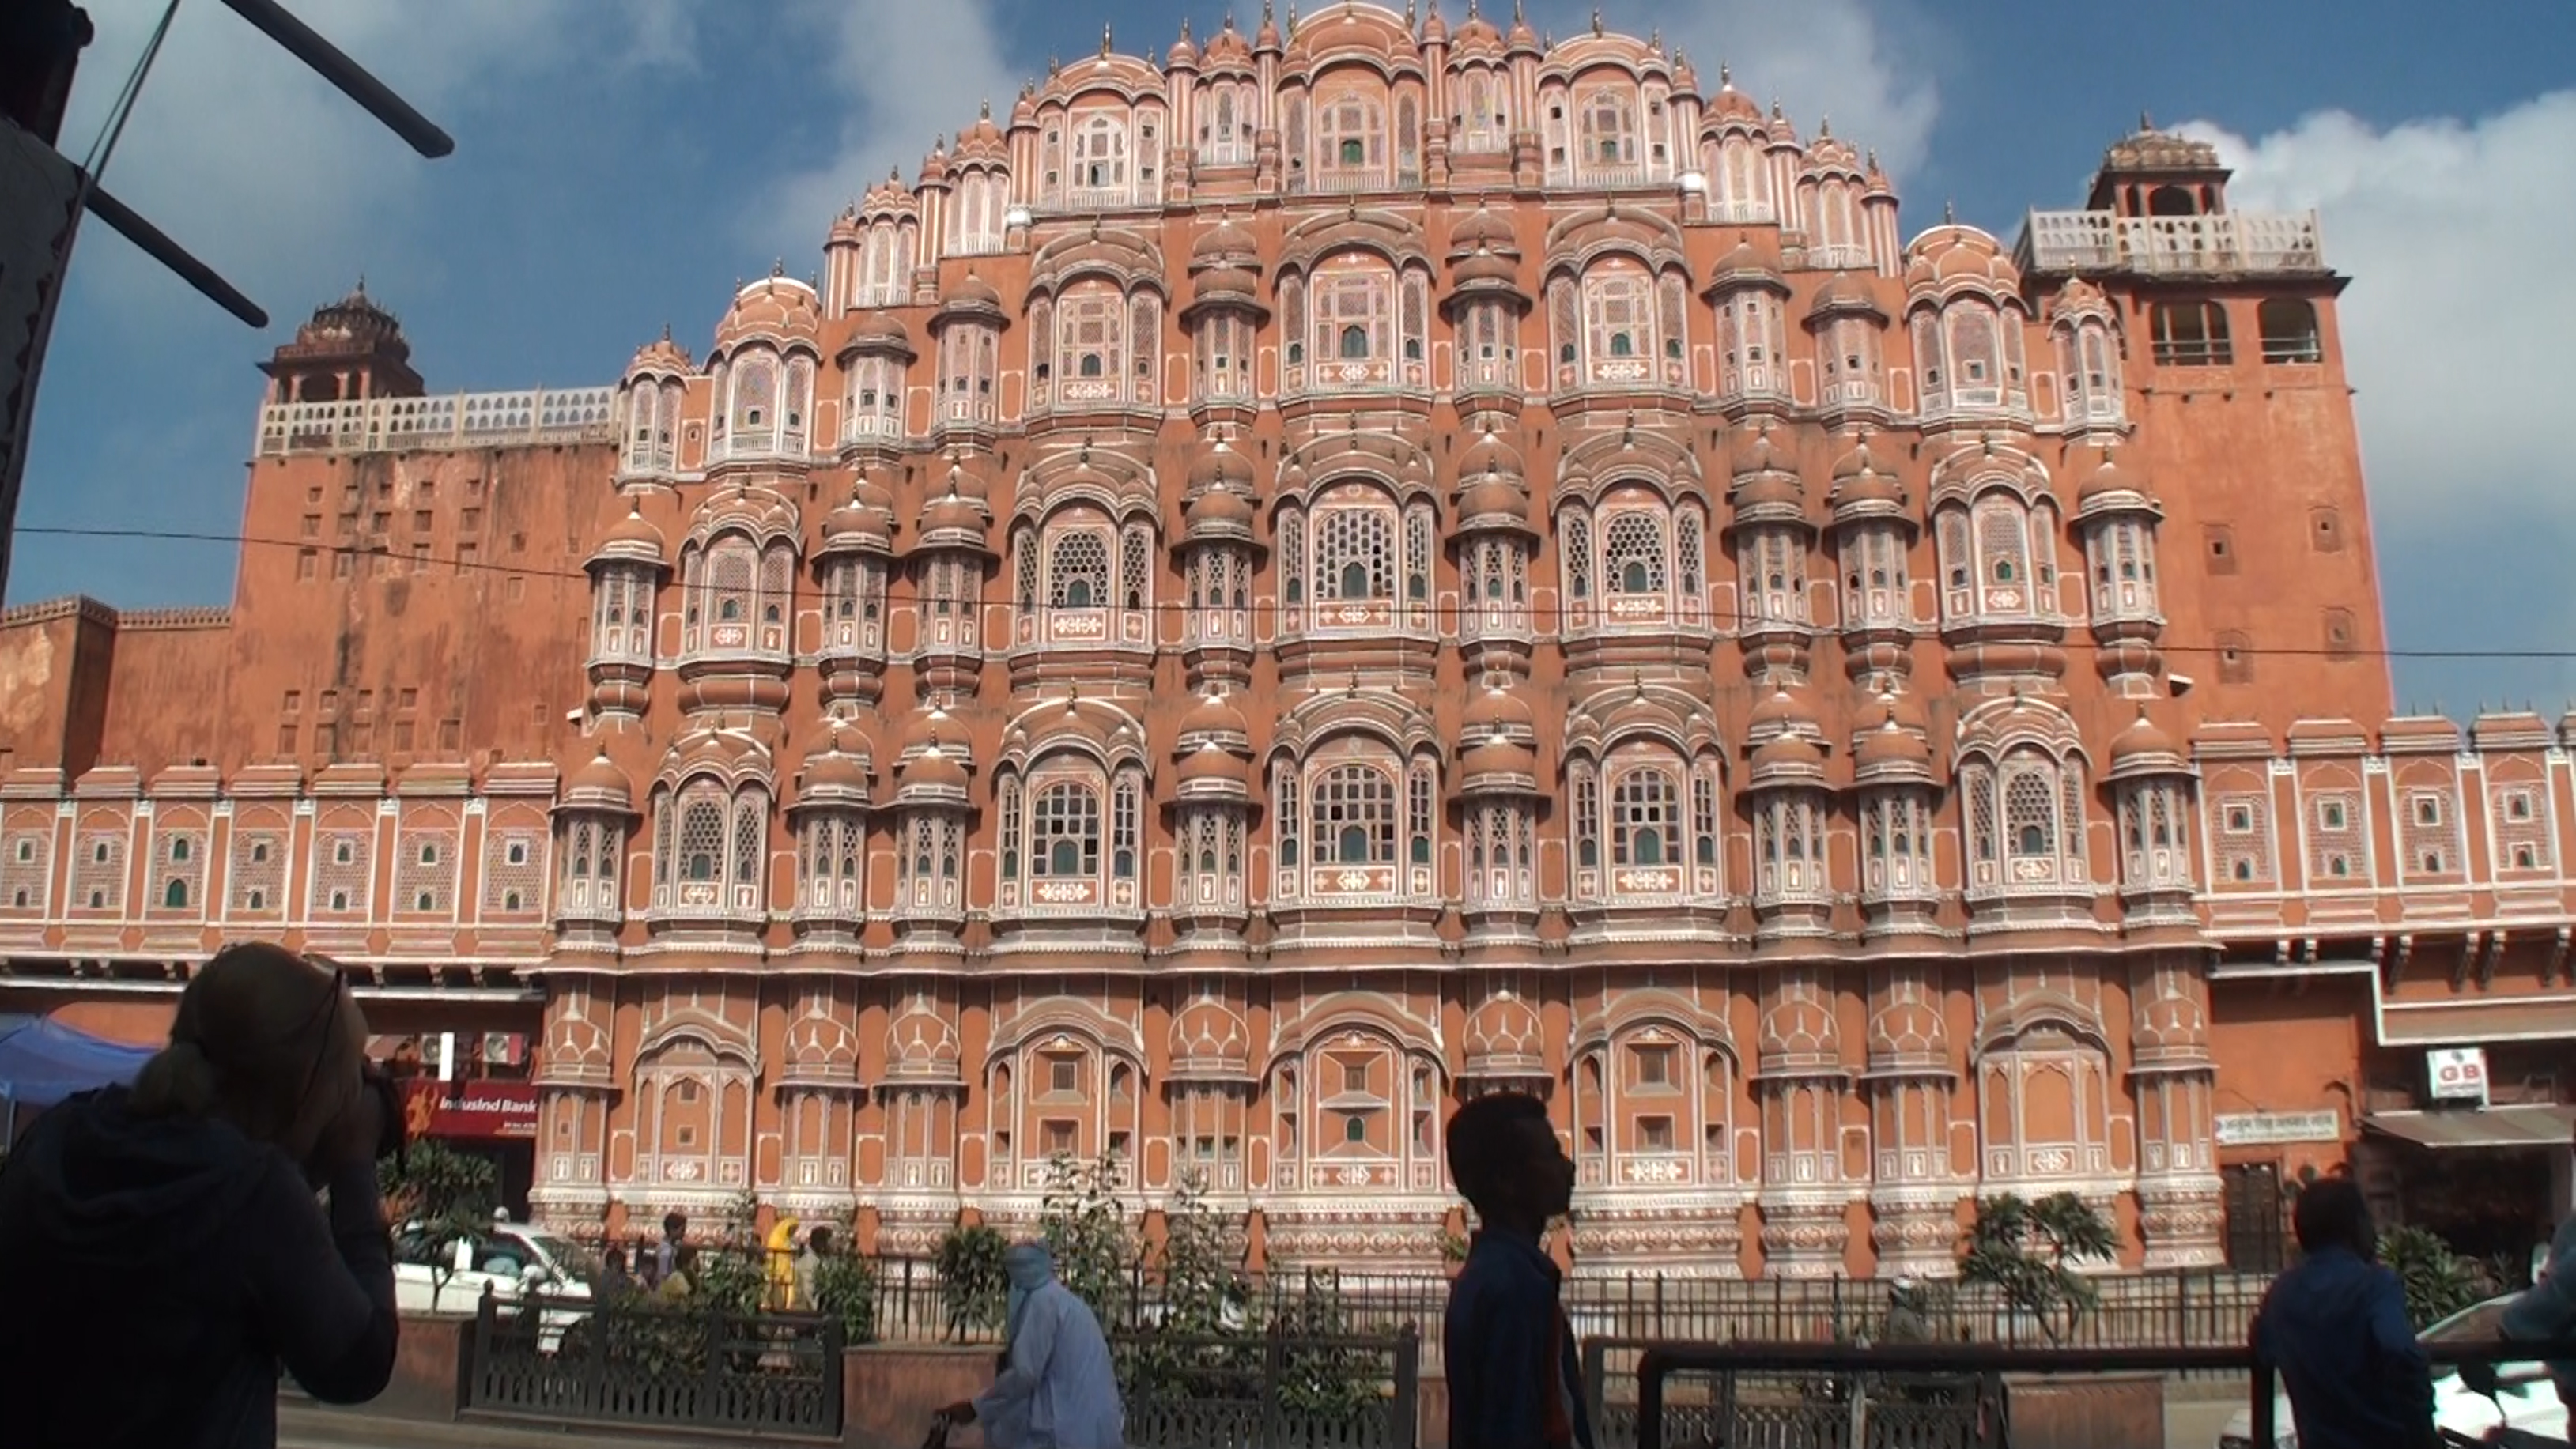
(454, 420)
(2219, 245)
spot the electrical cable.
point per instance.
(806, 594)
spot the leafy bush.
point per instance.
(2438, 1281)
(971, 1281)
(439, 1186)
(733, 1269)
(845, 1287)
(2028, 1251)
(1086, 1227)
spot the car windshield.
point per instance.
(2481, 1324)
(575, 1260)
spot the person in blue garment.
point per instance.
(1058, 1388)
(2543, 1313)
(2335, 1326)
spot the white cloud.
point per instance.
(1822, 59)
(261, 168)
(907, 73)
(2453, 320)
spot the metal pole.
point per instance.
(327, 60)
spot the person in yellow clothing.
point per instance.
(779, 1264)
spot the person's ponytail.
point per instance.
(178, 1081)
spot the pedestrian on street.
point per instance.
(675, 1285)
(1514, 1381)
(161, 1245)
(1906, 1321)
(615, 1283)
(2335, 1325)
(1058, 1388)
(675, 1231)
(809, 1266)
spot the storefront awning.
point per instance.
(2526, 1125)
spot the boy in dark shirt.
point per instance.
(1514, 1382)
(2336, 1327)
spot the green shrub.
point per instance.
(845, 1287)
(2028, 1252)
(2438, 1281)
(972, 1284)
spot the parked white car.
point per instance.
(446, 1271)
(2530, 1400)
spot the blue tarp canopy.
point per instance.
(43, 1061)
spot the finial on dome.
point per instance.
(1055, 67)
(1411, 19)
(1655, 40)
(1873, 159)
(2146, 123)
(1725, 76)
(777, 268)
(1104, 40)
(1777, 114)
(985, 111)
(362, 286)
(1185, 28)
(1596, 20)
(1949, 213)
(666, 331)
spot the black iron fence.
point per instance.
(1933, 1396)
(673, 1366)
(2152, 1310)
(1269, 1391)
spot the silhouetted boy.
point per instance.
(1514, 1382)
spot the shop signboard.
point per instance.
(2265, 1129)
(478, 1110)
(2457, 1074)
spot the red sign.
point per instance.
(470, 1109)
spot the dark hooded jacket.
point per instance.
(158, 1272)
(2357, 1378)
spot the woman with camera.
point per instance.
(162, 1252)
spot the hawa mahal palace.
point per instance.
(1368, 562)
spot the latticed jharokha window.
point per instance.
(1355, 552)
(1064, 831)
(1350, 132)
(1645, 819)
(1632, 553)
(1354, 816)
(1078, 570)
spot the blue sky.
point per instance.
(619, 166)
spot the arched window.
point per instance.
(175, 895)
(2190, 334)
(1353, 297)
(1619, 320)
(2088, 361)
(1064, 831)
(1354, 815)
(1645, 818)
(1609, 118)
(1089, 326)
(755, 397)
(1632, 552)
(1350, 131)
(1355, 342)
(1976, 362)
(702, 838)
(2289, 327)
(2003, 553)
(1355, 546)
(1078, 569)
(1100, 152)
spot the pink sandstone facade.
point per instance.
(1268, 593)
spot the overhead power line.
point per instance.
(803, 593)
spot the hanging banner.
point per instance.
(470, 1109)
(40, 207)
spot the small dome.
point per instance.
(1845, 295)
(926, 727)
(1212, 762)
(633, 539)
(1222, 243)
(1787, 760)
(775, 308)
(953, 513)
(660, 358)
(1226, 284)
(1490, 454)
(1782, 712)
(2143, 749)
(1745, 267)
(1209, 1041)
(1503, 1039)
(1889, 746)
(1493, 498)
(2111, 484)
(920, 1045)
(1219, 465)
(880, 332)
(1220, 512)
(933, 770)
(1495, 711)
(600, 785)
(1485, 271)
(1730, 104)
(836, 769)
(1214, 717)
(1952, 253)
(1497, 757)
(1754, 451)
(972, 297)
(1483, 230)
(1865, 485)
